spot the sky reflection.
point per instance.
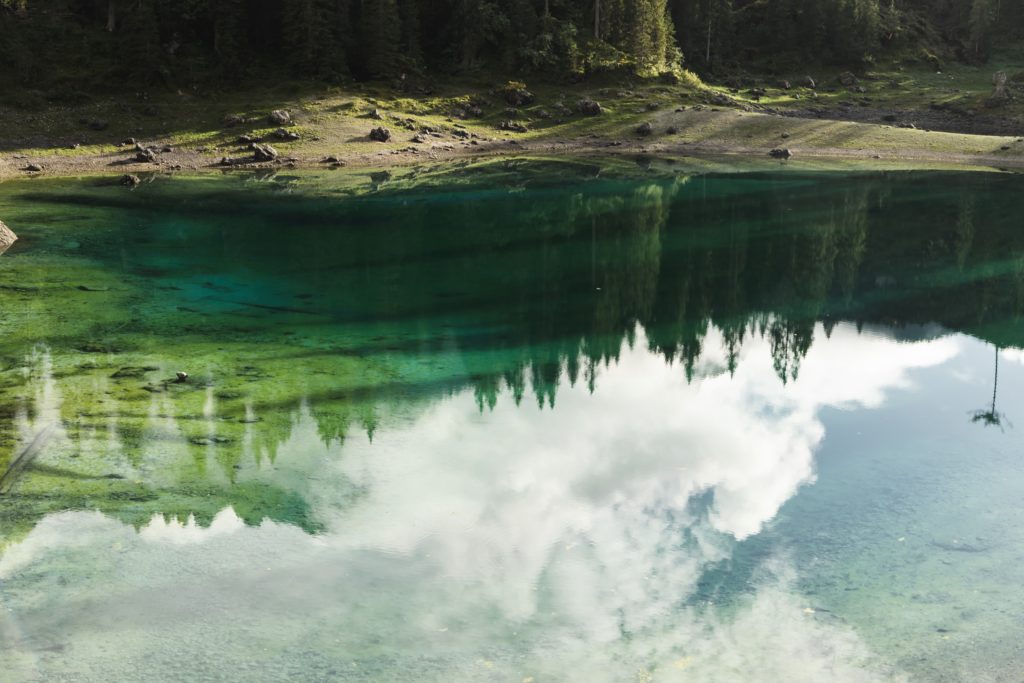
(517, 543)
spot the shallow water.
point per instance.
(513, 422)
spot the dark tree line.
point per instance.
(183, 41)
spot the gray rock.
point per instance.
(7, 237)
(285, 135)
(264, 153)
(780, 153)
(380, 134)
(34, 168)
(589, 107)
(847, 79)
(279, 117)
(518, 97)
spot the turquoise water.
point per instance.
(530, 421)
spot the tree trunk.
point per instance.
(111, 15)
(707, 50)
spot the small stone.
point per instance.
(285, 135)
(513, 126)
(380, 134)
(34, 168)
(279, 117)
(780, 153)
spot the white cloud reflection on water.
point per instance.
(561, 544)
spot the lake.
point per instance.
(519, 421)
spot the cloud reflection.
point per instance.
(563, 544)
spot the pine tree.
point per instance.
(310, 34)
(381, 33)
(228, 24)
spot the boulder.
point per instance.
(144, 156)
(279, 117)
(517, 95)
(645, 129)
(847, 79)
(376, 115)
(264, 153)
(129, 180)
(380, 134)
(780, 153)
(7, 237)
(589, 107)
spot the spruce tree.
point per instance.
(381, 33)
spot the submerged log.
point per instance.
(7, 237)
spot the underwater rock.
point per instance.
(7, 237)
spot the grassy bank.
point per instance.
(872, 117)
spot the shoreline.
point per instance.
(697, 132)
